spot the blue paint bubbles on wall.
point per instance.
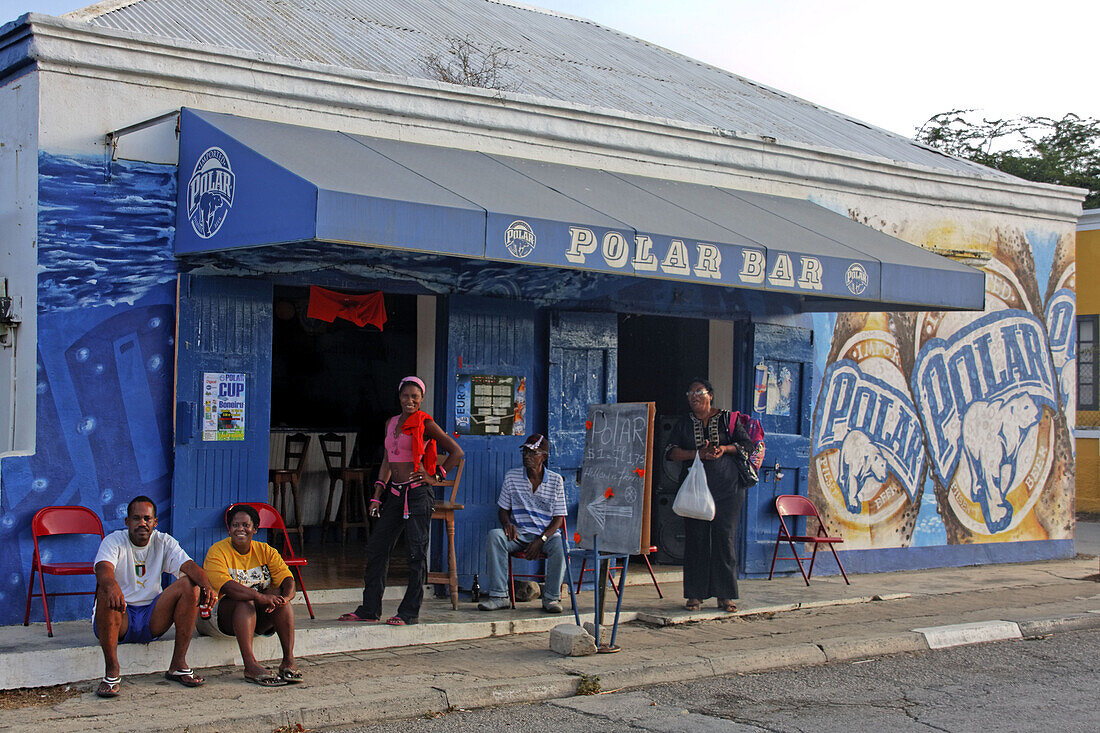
(105, 333)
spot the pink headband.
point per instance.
(415, 380)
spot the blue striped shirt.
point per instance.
(532, 510)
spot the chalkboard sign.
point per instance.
(615, 478)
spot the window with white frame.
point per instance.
(1087, 332)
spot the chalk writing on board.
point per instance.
(614, 495)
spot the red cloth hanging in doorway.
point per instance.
(328, 305)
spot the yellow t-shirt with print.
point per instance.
(261, 568)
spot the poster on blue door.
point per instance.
(223, 406)
(490, 404)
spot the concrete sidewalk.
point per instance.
(467, 658)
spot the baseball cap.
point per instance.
(536, 442)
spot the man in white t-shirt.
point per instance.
(531, 509)
(130, 604)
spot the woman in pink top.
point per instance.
(403, 501)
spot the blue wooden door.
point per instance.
(583, 372)
(223, 326)
(485, 336)
(785, 355)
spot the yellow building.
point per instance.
(1088, 326)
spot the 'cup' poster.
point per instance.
(223, 406)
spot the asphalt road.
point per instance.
(1034, 685)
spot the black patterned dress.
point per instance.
(710, 548)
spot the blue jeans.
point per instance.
(497, 549)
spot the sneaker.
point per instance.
(551, 606)
(494, 604)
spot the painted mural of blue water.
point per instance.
(102, 242)
(104, 380)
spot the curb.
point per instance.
(1035, 627)
(336, 709)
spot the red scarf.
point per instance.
(426, 452)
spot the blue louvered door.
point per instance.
(491, 337)
(786, 353)
(223, 326)
(583, 372)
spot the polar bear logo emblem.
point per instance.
(993, 433)
(862, 469)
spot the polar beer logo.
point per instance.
(981, 396)
(865, 430)
(519, 238)
(1061, 318)
(210, 192)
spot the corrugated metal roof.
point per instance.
(548, 55)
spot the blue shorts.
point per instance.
(138, 631)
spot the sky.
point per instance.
(890, 63)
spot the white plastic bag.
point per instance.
(693, 500)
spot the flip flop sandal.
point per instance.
(727, 605)
(267, 680)
(351, 616)
(398, 621)
(692, 605)
(291, 676)
(185, 677)
(108, 687)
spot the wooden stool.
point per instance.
(334, 449)
(445, 511)
(294, 457)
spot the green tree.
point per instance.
(1065, 151)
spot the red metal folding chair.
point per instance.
(59, 520)
(518, 555)
(790, 505)
(271, 519)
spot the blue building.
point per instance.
(595, 219)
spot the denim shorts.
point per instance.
(138, 631)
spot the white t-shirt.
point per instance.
(138, 569)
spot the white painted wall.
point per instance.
(95, 81)
(425, 346)
(19, 258)
(720, 366)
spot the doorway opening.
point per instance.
(336, 378)
(658, 358)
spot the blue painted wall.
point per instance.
(106, 302)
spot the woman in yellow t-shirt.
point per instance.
(255, 588)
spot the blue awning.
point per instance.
(251, 183)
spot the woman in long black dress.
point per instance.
(710, 555)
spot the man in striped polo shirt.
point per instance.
(531, 511)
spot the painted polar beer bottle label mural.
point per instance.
(988, 396)
(868, 465)
(1061, 318)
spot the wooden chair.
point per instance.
(271, 519)
(353, 495)
(614, 587)
(791, 505)
(445, 511)
(58, 520)
(294, 457)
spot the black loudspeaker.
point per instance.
(667, 528)
(669, 531)
(667, 473)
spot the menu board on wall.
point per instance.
(490, 404)
(223, 406)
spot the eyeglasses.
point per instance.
(697, 393)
